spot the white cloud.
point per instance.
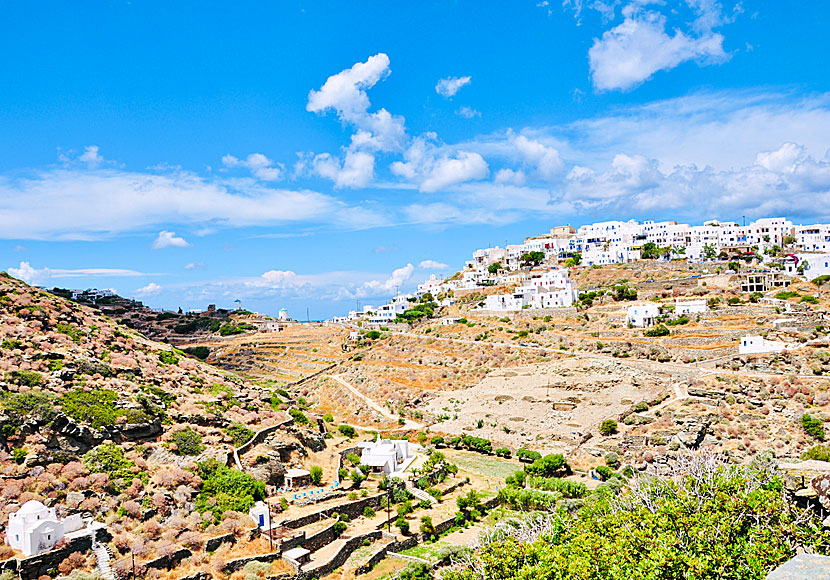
(435, 168)
(90, 156)
(633, 51)
(167, 239)
(194, 266)
(467, 112)
(449, 86)
(55, 204)
(260, 166)
(150, 289)
(345, 93)
(508, 176)
(546, 159)
(383, 287)
(26, 272)
(783, 160)
(356, 170)
(432, 265)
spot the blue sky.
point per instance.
(309, 155)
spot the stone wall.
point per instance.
(322, 538)
(352, 509)
(260, 436)
(567, 312)
(213, 543)
(169, 561)
(239, 563)
(340, 557)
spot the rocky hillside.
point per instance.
(95, 417)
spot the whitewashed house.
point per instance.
(642, 315)
(450, 320)
(387, 455)
(34, 529)
(259, 513)
(690, 307)
(758, 345)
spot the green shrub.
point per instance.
(225, 489)
(809, 299)
(568, 488)
(316, 474)
(608, 427)
(24, 378)
(814, 427)
(299, 416)
(527, 456)
(96, 407)
(188, 442)
(19, 407)
(18, 455)
(168, 357)
(328, 418)
(340, 527)
(71, 331)
(787, 294)
(239, 434)
(403, 525)
(368, 512)
(548, 466)
(659, 330)
(229, 329)
(347, 431)
(817, 452)
(109, 459)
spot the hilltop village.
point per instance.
(552, 375)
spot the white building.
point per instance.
(450, 320)
(814, 265)
(690, 307)
(388, 455)
(34, 529)
(259, 513)
(758, 344)
(642, 315)
(283, 315)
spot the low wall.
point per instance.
(340, 557)
(239, 563)
(260, 436)
(372, 562)
(169, 561)
(213, 543)
(322, 538)
(351, 509)
(566, 312)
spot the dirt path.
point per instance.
(385, 413)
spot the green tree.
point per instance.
(608, 427)
(494, 268)
(188, 442)
(529, 259)
(316, 474)
(649, 251)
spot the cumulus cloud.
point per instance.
(634, 50)
(150, 289)
(432, 265)
(345, 93)
(259, 165)
(31, 275)
(450, 86)
(509, 176)
(433, 167)
(167, 239)
(356, 170)
(545, 159)
(383, 287)
(91, 157)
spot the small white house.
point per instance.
(759, 345)
(388, 455)
(283, 315)
(34, 529)
(642, 315)
(259, 513)
(690, 307)
(450, 320)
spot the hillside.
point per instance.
(100, 420)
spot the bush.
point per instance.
(814, 427)
(605, 472)
(548, 466)
(437, 441)
(809, 299)
(200, 352)
(787, 294)
(239, 434)
(24, 378)
(527, 499)
(328, 418)
(316, 474)
(527, 456)
(96, 407)
(340, 527)
(477, 444)
(730, 522)
(188, 442)
(225, 489)
(368, 512)
(168, 358)
(403, 525)
(347, 431)
(817, 452)
(568, 488)
(109, 459)
(299, 416)
(373, 335)
(20, 407)
(608, 427)
(659, 330)
(18, 455)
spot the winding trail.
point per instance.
(383, 412)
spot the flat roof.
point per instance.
(296, 553)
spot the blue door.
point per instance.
(261, 520)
